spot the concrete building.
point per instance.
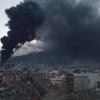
(68, 83)
(81, 83)
(55, 78)
(53, 73)
(98, 85)
(56, 82)
(93, 78)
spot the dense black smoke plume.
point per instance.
(73, 28)
(24, 19)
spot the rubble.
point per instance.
(14, 85)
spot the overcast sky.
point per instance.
(3, 18)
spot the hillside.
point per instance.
(40, 57)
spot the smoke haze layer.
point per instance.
(73, 28)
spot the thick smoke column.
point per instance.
(73, 28)
(24, 19)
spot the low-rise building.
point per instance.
(81, 83)
(56, 82)
(68, 83)
(53, 73)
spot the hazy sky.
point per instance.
(3, 18)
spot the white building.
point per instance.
(92, 77)
(55, 78)
(53, 73)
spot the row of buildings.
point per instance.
(70, 80)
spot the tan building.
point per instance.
(53, 73)
(56, 82)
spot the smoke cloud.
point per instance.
(24, 19)
(72, 28)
